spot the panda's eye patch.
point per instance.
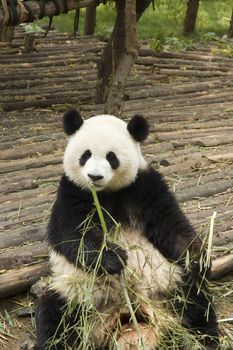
(113, 160)
(84, 157)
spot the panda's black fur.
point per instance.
(161, 222)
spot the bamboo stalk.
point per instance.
(131, 311)
(122, 278)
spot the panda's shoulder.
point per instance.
(150, 179)
(70, 197)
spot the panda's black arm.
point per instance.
(163, 222)
(173, 234)
(83, 249)
(169, 230)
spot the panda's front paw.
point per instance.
(114, 259)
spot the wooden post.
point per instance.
(112, 54)
(191, 16)
(29, 43)
(115, 95)
(231, 26)
(115, 49)
(90, 20)
(6, 34)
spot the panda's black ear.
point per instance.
(138, 127)
(72, 121)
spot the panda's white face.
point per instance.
(102, 152)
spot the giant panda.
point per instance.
(149, 262)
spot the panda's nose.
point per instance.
(95, 177)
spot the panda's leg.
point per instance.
(49, 314)
(198, 311)
(128, 337)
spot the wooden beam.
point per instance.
(90, 20)
(191, 16)
(221, 267)
(231, 26)
(50, 9)
(116, 91)
(17, 281)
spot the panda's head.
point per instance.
(103, 150)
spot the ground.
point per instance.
(187, 98)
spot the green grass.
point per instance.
(165, 21)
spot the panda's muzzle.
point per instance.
(95, 178)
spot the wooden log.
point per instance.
(207, 212)
(193, 134)
(45, 76)
(78, 51)
(18, 142)
(30, 163)
(178, 103)
(9, 198)
(212, 141)
(50, 9)
(178, 114)
(222, 238)
(46, 94)
(159, 63)
(19, 280)
(182, 62)
(224, 157)
(19, 186)
(201, 179)
(222, 266)
(21, 105)
(195, 125)
(187, 88)
(185, 55)
(187, 165)
(205, 190)
(194, 73)
(36, 174)
(26, 254)
(20, 204)
(21, 235)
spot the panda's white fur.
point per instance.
(92, 135)
(147, 271)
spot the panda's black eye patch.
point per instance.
(84, 157)
(113, 160)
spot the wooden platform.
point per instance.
(188, 99)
